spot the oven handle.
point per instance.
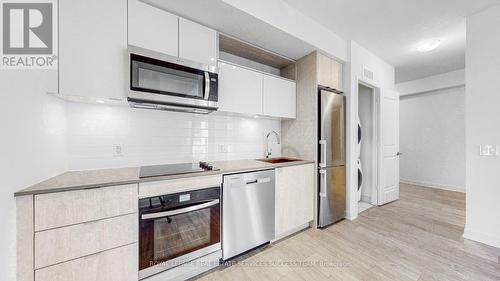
(179, 211)
(207, 86)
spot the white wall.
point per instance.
(161, 137)
(384, 77)
(432, 139)
(365, 111)
(32, 146)
(432, 83)
(482, 104)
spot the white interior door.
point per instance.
(388, 187)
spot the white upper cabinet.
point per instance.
(92, 48)
(152, 28)
(240, 90)
(197, 42)
(279, 97)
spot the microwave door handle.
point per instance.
(179, 211)
(207, 86)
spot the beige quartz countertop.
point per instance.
(77, 180)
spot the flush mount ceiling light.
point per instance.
(428, 45)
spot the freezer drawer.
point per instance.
(331, 195)
(247, 211)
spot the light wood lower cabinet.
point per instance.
(294, 198)
(119, 264)
(70, 242)
(83, 235)
(65, 208)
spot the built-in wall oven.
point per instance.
(163, 82)
(178, 228)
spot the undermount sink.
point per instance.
(278, 160)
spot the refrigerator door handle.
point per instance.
(322, 148)
(322, 183)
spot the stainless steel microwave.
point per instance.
(163, 82)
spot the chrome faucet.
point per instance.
(268, 151)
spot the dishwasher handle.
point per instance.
(259, 180)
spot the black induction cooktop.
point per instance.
(175, 169)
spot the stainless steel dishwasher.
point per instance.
(247, 211)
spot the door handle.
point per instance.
(322, 148)
(180, 211)
(322, 184)
(207, 86)
(399, 154)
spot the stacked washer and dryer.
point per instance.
(358, 159)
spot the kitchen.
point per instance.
(220, 139)
(171, 213)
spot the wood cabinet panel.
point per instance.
(294, 197)
(324, 70)
(329, 72)
(116, 264)
(72, 207)
(71, 242)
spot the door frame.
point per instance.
(375, 138)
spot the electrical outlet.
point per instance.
(118, 150)
(488, 150)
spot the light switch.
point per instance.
(488, 150)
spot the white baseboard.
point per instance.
(434, 185)
(351, 215)
(490, 240)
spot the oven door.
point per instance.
(165, 80)
(178, 228)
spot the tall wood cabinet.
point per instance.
(300, 136)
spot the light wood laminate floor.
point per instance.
(418, 237)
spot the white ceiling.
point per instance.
(392, 28)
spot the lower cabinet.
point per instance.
(294, 198)
(116, 264)
(82, 235)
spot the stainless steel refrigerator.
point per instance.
(331, 157)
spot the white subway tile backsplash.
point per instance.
(160, 137)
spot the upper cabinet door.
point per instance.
(92, 48)
(240, 90)
(336, 75)
(329, 72)
(279, 97)
(324, 70)
(197, 42)
(152, 28)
